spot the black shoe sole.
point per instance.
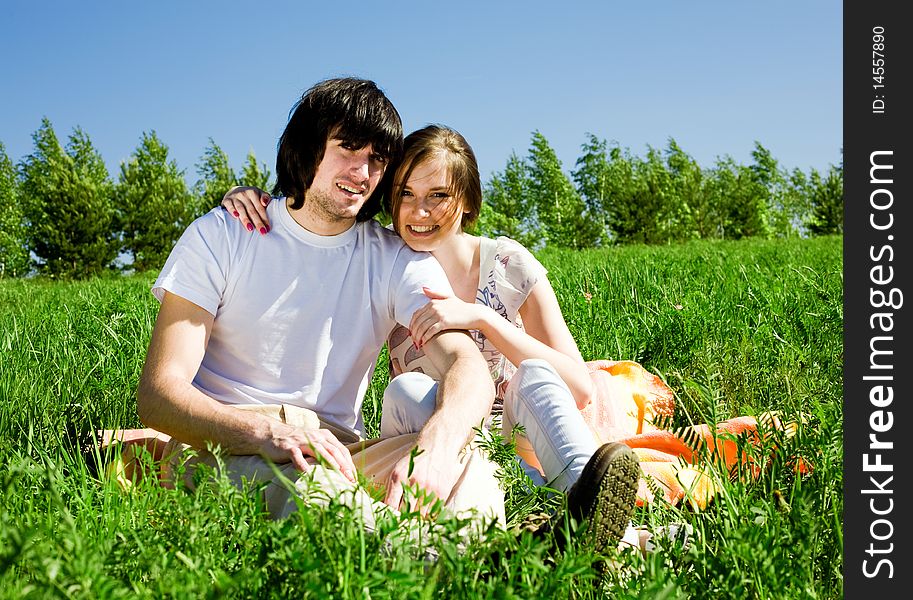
(604, 496)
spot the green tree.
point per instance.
(609, 179)
(827, 202)
(651, 200)
(215, 178)
(637, 210)
(635, 199)
(563, 216)
(799, 196)
(685, 206)
(787, 203)
(254, 174)
(67, 205)
(739, 198)
(14, 256)
(153, 204)
(700, 211)
(592, 175)
(506, 206)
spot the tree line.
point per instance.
(63, 215)
(615, 197)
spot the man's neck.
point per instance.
(316, 221)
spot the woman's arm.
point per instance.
(546, 335)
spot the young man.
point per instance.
(298, 317)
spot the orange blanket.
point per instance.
(630, 406)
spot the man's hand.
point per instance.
(292, 444)
(248, 205)
(433, 471)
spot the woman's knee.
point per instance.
(408, 390)
(409, 401)
(535, 382)
(534, 366)
(534, 373)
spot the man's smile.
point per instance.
(354, 190)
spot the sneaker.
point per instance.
(83, 441)
(603, 498)
(94, 453)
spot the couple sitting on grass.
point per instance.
(265, 342)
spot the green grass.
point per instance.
(734, 328)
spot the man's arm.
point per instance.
(168, 401)
(464, 398)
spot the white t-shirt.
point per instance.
(299, 318)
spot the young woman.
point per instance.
(501, 296)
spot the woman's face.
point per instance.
(428, 215)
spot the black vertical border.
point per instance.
(865, 132)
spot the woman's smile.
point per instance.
(422, 230)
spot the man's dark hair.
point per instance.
(353, 110)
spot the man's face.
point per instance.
(344, 180)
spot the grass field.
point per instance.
(734, 328)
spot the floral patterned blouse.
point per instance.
(507, 274)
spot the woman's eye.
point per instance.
(405, 193)
(378, 158)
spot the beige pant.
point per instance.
(476, 495)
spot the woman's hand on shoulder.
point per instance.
(442, 313)
(248, 205)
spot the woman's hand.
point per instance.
(442, 313)
(248, 204)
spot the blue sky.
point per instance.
(715, 76)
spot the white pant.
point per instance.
(536, 398)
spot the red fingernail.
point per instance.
(263, 231)
(236, 213)
(267, 229)
(250, 226)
